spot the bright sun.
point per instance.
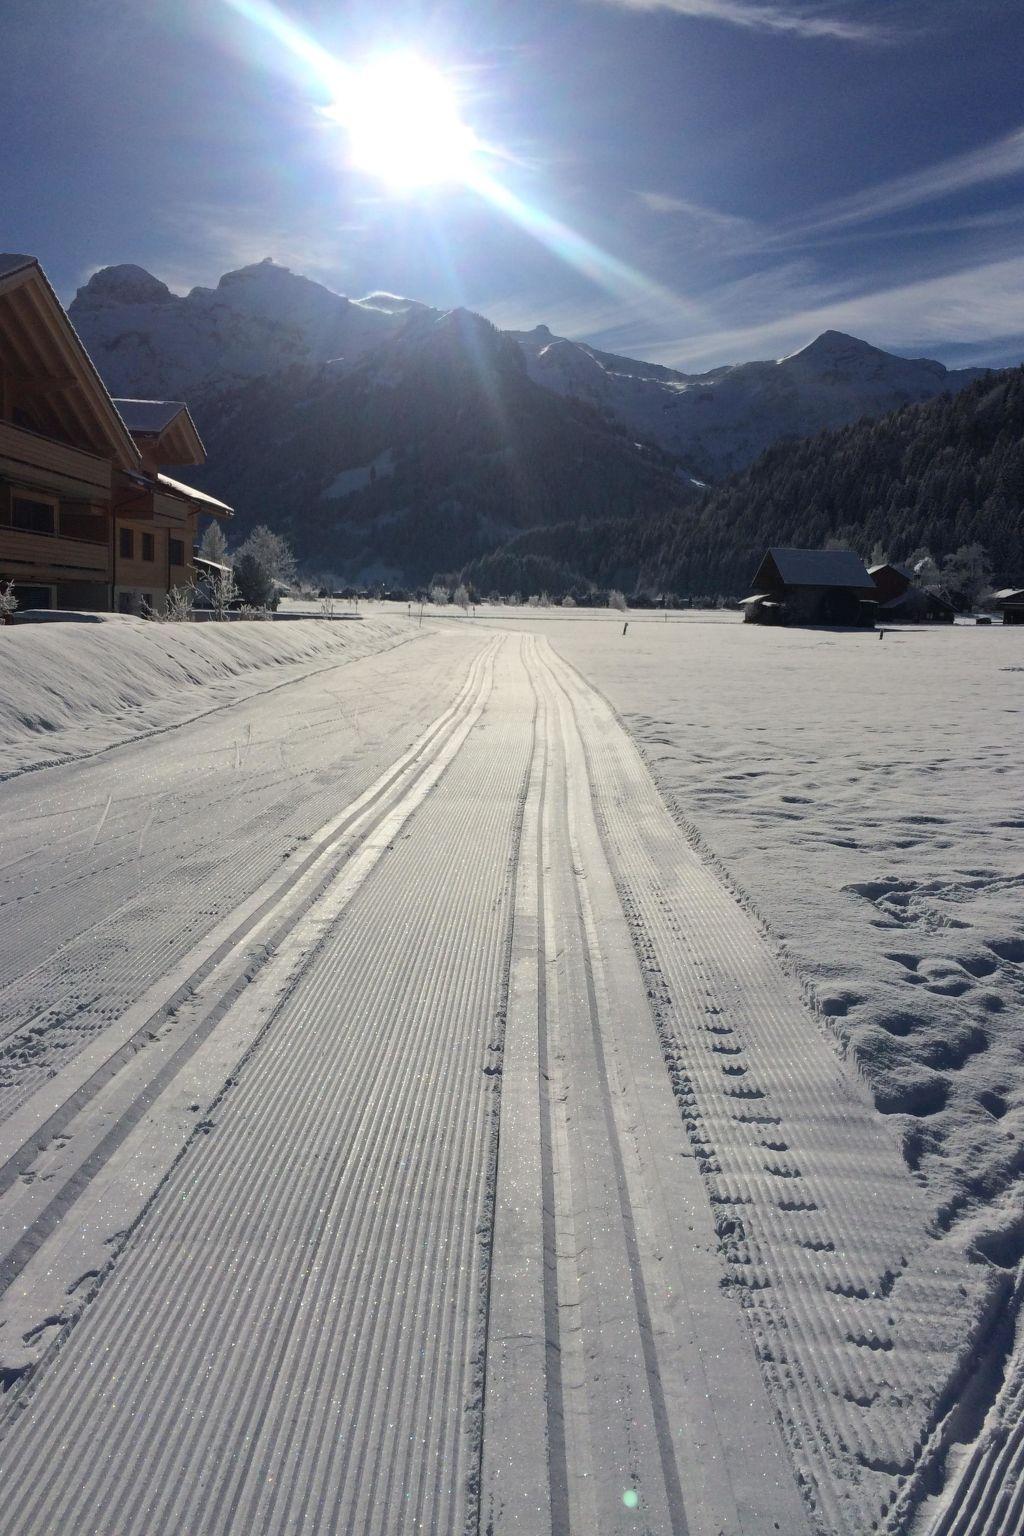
(403, 124)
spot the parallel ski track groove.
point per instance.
(403, 776)
(55, 1001)
(588, 938)
(558, 1470)
(988, 1496)
(412, 1092)
(699, 944)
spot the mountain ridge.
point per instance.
(147, 341)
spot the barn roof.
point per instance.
(1009, 595)
(820, 568)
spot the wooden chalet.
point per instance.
(1010, 602)
(87, 519)
(155, 515)
(812, 586)
(901, 602)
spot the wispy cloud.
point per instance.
(969, 305)
(797, 20)
(996, 161)
(698, 213)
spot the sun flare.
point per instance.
(403, 122)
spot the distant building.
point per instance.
(87, 519)
(901, 602)
(812, 586)
(1010, 602)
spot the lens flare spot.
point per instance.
(403, 123)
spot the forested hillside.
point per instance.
(436, 450)
(942, 475)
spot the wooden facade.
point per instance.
(1010, 603)
(828, 587)
(86, 518)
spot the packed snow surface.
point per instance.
(499, 1072)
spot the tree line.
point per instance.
(943, 476)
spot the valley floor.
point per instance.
(414, 1118)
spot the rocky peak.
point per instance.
(124, 284)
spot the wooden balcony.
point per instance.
(47, 556)
(42, 461)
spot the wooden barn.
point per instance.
(900, 602)
(812, 586)
(1009, 602)
(87, 519)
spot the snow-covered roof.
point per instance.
(191, 494)
(890, 565)
(11, 262)
(820, 568)
(149, 415)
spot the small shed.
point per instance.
(891, 581)
(1010, 602)
(900, 602)
(812, 586)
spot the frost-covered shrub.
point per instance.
(461, 596)
(439, 596)
(222, 591)
(616, 600)
(179, 605)
(8, 601)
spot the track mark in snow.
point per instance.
(619, 1277)
(831, 1331)
(74, 1132)
(288, 1339)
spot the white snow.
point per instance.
(866, 798)
(755, 1202)
(75, 688)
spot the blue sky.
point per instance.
(711, 180)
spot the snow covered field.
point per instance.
(410, 1119)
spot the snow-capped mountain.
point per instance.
(719, 421)
(150, 342)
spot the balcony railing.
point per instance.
(33, 451)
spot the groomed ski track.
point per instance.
(479, 1172)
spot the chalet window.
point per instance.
(33, 516)
(82, 523)
(177, 551)
(148, 547)
(125, 601)
(127, 544)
